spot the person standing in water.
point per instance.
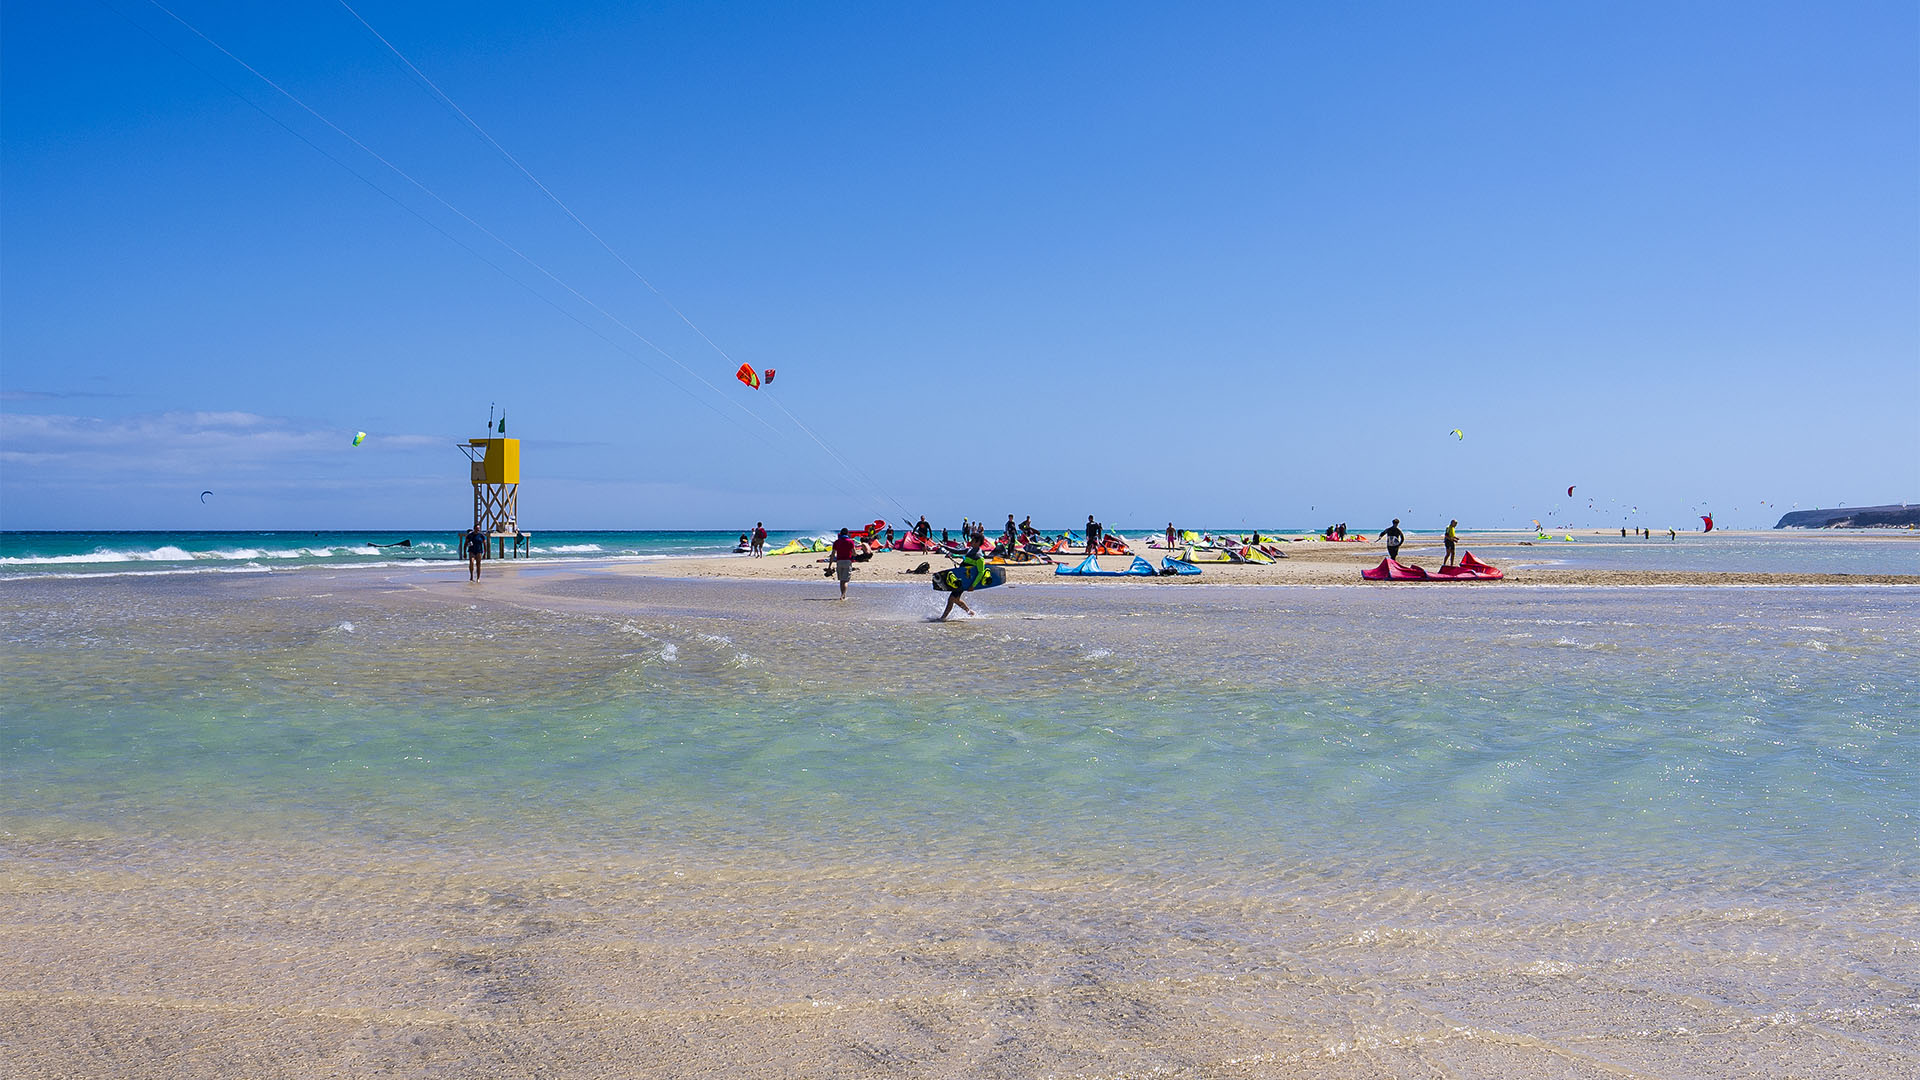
(1394, 538)
(476, 543)
(844, 550)
(1452, 539)
(971, 572)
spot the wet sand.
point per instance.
(124, 960)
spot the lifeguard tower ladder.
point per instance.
(495, 468)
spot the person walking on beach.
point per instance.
(476, 544)
(1172, 537)
(759, 538)
(844, 550)
(1452, 539)
(1394, 538)
(1093, 535)
(970, 573)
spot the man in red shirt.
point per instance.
(843, 553)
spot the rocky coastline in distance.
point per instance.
(1854, 517)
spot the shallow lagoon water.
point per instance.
(1522, 831)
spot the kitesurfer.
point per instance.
(971, 572)
(1394, 538)
(476, 545)
(1171, 535)
(844, 550)
(1671, 535)
(1093, 535)
(1452, 538)
(759, 538)
(922, 529)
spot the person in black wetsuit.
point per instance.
(1394, 538)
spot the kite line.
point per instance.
(446, 100)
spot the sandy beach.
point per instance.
(1315, 562)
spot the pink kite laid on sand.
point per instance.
(1470, 569)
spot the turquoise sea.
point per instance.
(35, 553)
(359, 818)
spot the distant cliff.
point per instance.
(1854, 517)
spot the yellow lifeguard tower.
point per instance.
(495, 468)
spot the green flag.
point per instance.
(503, 423)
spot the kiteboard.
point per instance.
(949, 579)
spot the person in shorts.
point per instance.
(844, 550)
(476, 551)
(1452, 538)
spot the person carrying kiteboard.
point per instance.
(971, 573)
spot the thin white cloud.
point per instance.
(143, 442)
(54, 395)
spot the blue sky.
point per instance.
(1221, 263)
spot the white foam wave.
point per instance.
(567, 549)
(170, 553)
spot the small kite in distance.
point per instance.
(359, 437)
(769, 376)
(1458, 434)
(1570, 488)
(204, 494)
(747, 375)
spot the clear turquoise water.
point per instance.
(1719, 725)
(1123, 828)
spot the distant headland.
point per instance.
(1854, 517)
